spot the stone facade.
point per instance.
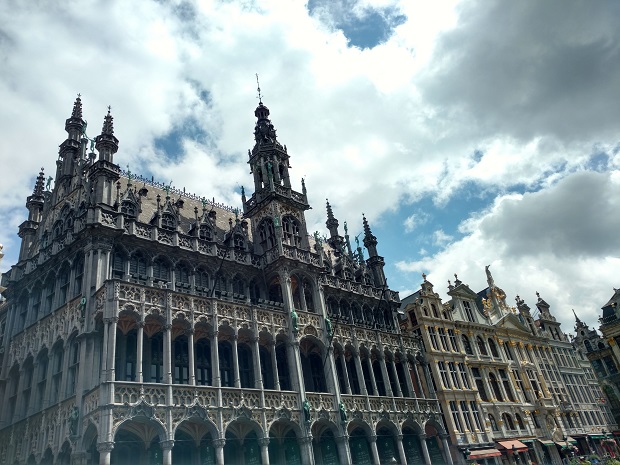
(147, 325)
(504, 378)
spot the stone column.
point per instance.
(104, 364)
(347, 384)
(215, 361)
(140, 352)
(264, 450)
(307, 457)
(219, 450)
(407, 373)
(274, 363)
(399, 392)
(373, 449)
(427, 458)
(258, 374)
(344, 453)
(401, 449)
(236, 360)
(166, 449)
(360, 372)
(190, 352)
(167, 354)
(386, 378)
(446, 449)
(112, 347)
(105, 451)
(373, 381)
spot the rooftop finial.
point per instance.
(260, 97)
(77, 108)
(577, 320)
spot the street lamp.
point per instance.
(515, 453)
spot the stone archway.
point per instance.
(386, 444)
(137, 441)
(283, 444)
(243, 445)
(361, 453)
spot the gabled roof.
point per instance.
(512, 321)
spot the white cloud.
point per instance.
(415, 220)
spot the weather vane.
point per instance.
(260, 98)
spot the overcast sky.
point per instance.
(469, 132)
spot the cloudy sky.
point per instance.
(469, 132)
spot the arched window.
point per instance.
(203, 362)
(69, 220)
(168, 222)
(482, 348)
(493, 423)
(58, 355)
(126, 347)
(255, 291)
(312, 366)
(50, 294)
(266, 234)
(226, 364)
(74, 366)
(495, 386)
(265, 367)
(118, 265)
(13, 389)
(201, 280)
(181, 360)
(57, 230)
(307, 289)
(376, 368)
(156, 359)
(400, 371)
(246, 367)
(27, 387)
(161, 270)
(508, 421)
(434, 310)
(42, 367)
(588, 345)
(181, 276)
(352, 371)
(78, 275)
(283, 369)
(239, 242)
(519, 420)
(137, 266)
(63, 284)
(291, 231)
(467, 345)
(129, 209)
(275, 290)
(493, 348)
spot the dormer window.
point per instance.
(168, 222)
(128, 209)
(205, 232)
(239, 242)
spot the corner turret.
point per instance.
(106, 143)
(375, 262)
(34, 204)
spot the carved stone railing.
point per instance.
(130, 393)
(278, 399)
(320, 401)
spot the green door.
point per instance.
(360, 451)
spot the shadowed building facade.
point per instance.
(147, 325)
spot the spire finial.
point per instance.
(577, 320)
(77, 108)
(260, 97)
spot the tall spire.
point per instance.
(332, 222)
(106, 143)
(77, 108)
(38, 185)
(577, 320)
(370, 241)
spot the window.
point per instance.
(161, 270)
(118, 266)
(266, 234)
(455, 416)
(400, 371)
(128, 209)
(137, 267)
(493, 348)
(203, 362)
(168, 222)
(226, 364)
(78, 276)
(519, 421)
(465, 410)
(444, 375)
(507, 386)
(497, 392)
(57, 362)
(464, 376)
(283, 369)
(74, 367)
(50, 293)
(205, 232)
(181, 360)
(291, 231)
(239, 242)
(493, 423)
(453, 342)
(26, 391)
(318, 376)
(508, 421)
(476, 414)
(42, 381)
(469, 314)
(266, 369)
(157, 358)
(444, 339)
(354, 382)
(454, 375)
(434, 310)
(482, 348)
(433, 335)
(479, 384)
(63, 281)
(246, 367)
(467, 345)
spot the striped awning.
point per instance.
(483, 454)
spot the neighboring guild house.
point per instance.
(148, 325)
(512, 388)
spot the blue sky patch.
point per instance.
(363, 28)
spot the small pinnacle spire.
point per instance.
(367, 231)
(38, 186)
(108, 124)
(577, 320)
(77, 108)
(330, 213)
(260, 97)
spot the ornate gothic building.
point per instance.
(145, 325)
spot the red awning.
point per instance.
(483, 454)
(518, 445)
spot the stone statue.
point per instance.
(489, 276)
(343, 412)
(328, 327)
(73, 421)
(48, 183)
(295, 319)
(306, 408)
(83, 307)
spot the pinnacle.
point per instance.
(77, 108)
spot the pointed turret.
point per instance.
(34, 204)
(336, 241)
(106, 143)
(71, 148)
(375, 262)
